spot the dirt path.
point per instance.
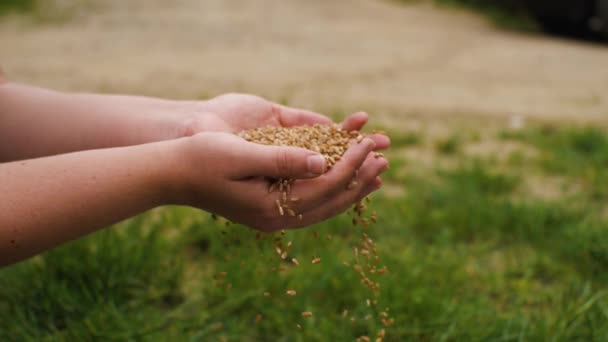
(342, 54)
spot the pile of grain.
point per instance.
(329, 140)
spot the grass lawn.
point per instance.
(488, 235)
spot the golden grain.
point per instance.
(331, 141)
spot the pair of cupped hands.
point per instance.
(227, 175)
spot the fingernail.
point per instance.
(316, 164)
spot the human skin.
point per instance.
(75, 163)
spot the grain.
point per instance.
(281, 212)
(381, 333)
(306, 314)
(291, 292)
(331, 141)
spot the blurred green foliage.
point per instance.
(511, 14)
(18, 6)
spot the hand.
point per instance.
(225, 174)
(236, 112)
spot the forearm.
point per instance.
(50, 200)
(35, 122)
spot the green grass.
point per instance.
(579, 153)
(469, 259)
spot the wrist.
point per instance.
(174, 183)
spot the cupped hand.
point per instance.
(224, 174)
(237, 112)
(233, 113)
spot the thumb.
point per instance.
(282, 162)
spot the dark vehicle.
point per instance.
(572, 17)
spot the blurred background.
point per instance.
(493, 218)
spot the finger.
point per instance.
(336, 206)
(289, 116)
(316, 191)
(382, 141)
(355, 122)
(369, 181)
(344, 170)
(278, 162)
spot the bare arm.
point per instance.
(36, 122)
(48, 201)
(51, 200)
